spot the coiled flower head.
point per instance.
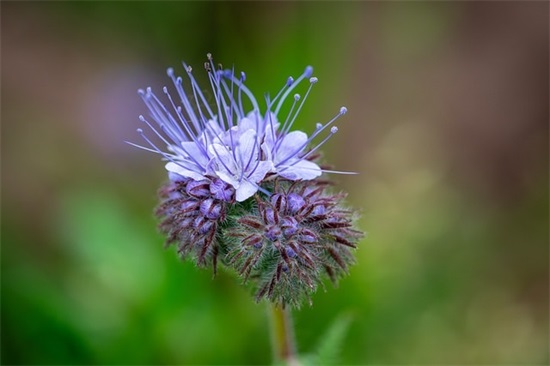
(246, 189)
(291, 239)
(191, 213)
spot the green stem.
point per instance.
(282, 335)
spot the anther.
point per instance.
(343, 110)
(141, 118)
(189, 69)
(289, 81)
(170, 71)
(313, 80)
(165, 90)
(243, 76)
(207, 66)
(333, 129)
(209, 56)
(308, 71)
(318, 126)
(296, 97)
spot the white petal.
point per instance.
(245, 190)
(303, 169)
(261, 170)
(247, 124)
(246, 146)
(266, 148)
(180, 170)
(223, 157)
(228, 178)
(193, 150)
(291, 144)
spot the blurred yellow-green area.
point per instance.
(447, 125)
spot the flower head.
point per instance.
(224, 140)
(244, 189)
(290, 240)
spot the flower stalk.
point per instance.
(282, 335)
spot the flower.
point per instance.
(223, 141)
(244, 190)
(291, 239)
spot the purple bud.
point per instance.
(221, 190)
(186, 223)
(189, 205)
(210, 210)
(197, 189)
(273, 233)
(174, 195)
(319, 210)
(279, 201)
(202, 225)
(289, 226)
(254, 240)
(271, 216)
(290, 252)
(295, 202)
(308, 236)
(176, 177)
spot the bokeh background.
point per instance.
(447, 126)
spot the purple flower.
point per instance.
(221, 140)
(220, 153)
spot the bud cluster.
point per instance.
(283, 243)
(291, 239)
(191, 213)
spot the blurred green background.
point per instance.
(447, 125)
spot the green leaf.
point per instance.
(330, 345)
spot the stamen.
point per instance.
(214, 83)
(160, 113)
(234, 105)
(167, 156)
(338, 172)
(247, 92)
(177, 143)
(144, 148)
(243, 78)
(197, 91)
(311, 82)
(190, 133)
(288, 83)
(343, 110)
(333, 130)
(285, 128)
(178, 84)
(307, 73)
